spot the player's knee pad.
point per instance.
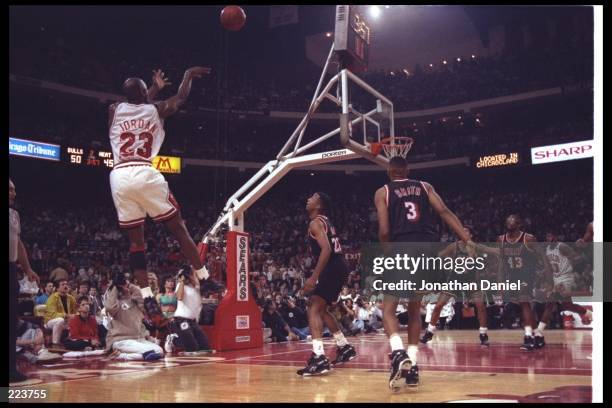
(137, 260)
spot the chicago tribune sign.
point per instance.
(562, 152)
(242, 292)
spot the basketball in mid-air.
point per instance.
(233, 18)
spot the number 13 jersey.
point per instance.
(410, 214)
(137, 133)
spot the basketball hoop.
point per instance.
(393, 146)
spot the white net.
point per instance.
(397, 146)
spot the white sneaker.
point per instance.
(169, 345)
(45, 356)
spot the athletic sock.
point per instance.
(317, 347)
(340, 339)
(540, 330)
(483, 330)
(528, 331)
(431, 328)
(413, 351)
(396, 342)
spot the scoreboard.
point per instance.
(81, 156)
(352, 37)
(88, 157)
(101, 158)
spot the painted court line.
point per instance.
(570, 370)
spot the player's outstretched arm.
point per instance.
(447, 215)
(448, 251)
(111, 113)
(380, 201)
(500, 265)
(480, 248)
(171, 105)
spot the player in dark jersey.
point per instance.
(406, 213)
(519, 255)
(458, 250)
(324, 286)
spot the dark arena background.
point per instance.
(499, 105)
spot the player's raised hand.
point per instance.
(197, 72)
(159, 79)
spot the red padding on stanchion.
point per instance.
(203, 251)
(238, 322)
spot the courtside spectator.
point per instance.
(167, 297)
(274, 321)
(127, 336)
(31, 344)
(82, 329)
(44, 296)
(190, 335)
(61, 305)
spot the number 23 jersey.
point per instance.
(137, 133)
(332, 238)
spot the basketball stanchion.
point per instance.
(238, 323)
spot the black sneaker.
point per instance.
(344, 354)
(528, 344)
(412, 379)
(539, 342)
(17, 376)
(484, 340)
(427, 336)
(400, 367)
(315, 366)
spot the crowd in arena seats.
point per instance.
(259, 140)
(84, 248)
(461, 79)
(84, 245)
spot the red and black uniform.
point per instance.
(411, 217)
(335, 273)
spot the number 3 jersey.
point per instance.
(411, 217)
(137, 133)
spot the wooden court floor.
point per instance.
(453, 367)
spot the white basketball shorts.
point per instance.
(139, 190)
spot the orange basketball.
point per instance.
(233, 18)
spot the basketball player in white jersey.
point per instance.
(136, 131)
(562, 259)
